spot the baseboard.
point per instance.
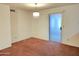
(38, 38)
(20, 40)
(73, 40)
(5, 47)
(55, 42)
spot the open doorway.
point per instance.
(55, 27)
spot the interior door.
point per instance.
(55, 27)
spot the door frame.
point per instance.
(61, 23)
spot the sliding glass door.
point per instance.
(55, 28)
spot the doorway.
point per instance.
(55, 27)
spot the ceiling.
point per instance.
(39, 6)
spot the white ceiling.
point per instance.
(32, 8)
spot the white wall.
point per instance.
(34, 26)
(13, 19)
(22, 25)
(26, 26)
(14, 26)
(70, 23)
(5, 29)
(40, 27)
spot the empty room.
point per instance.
(39, 29)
